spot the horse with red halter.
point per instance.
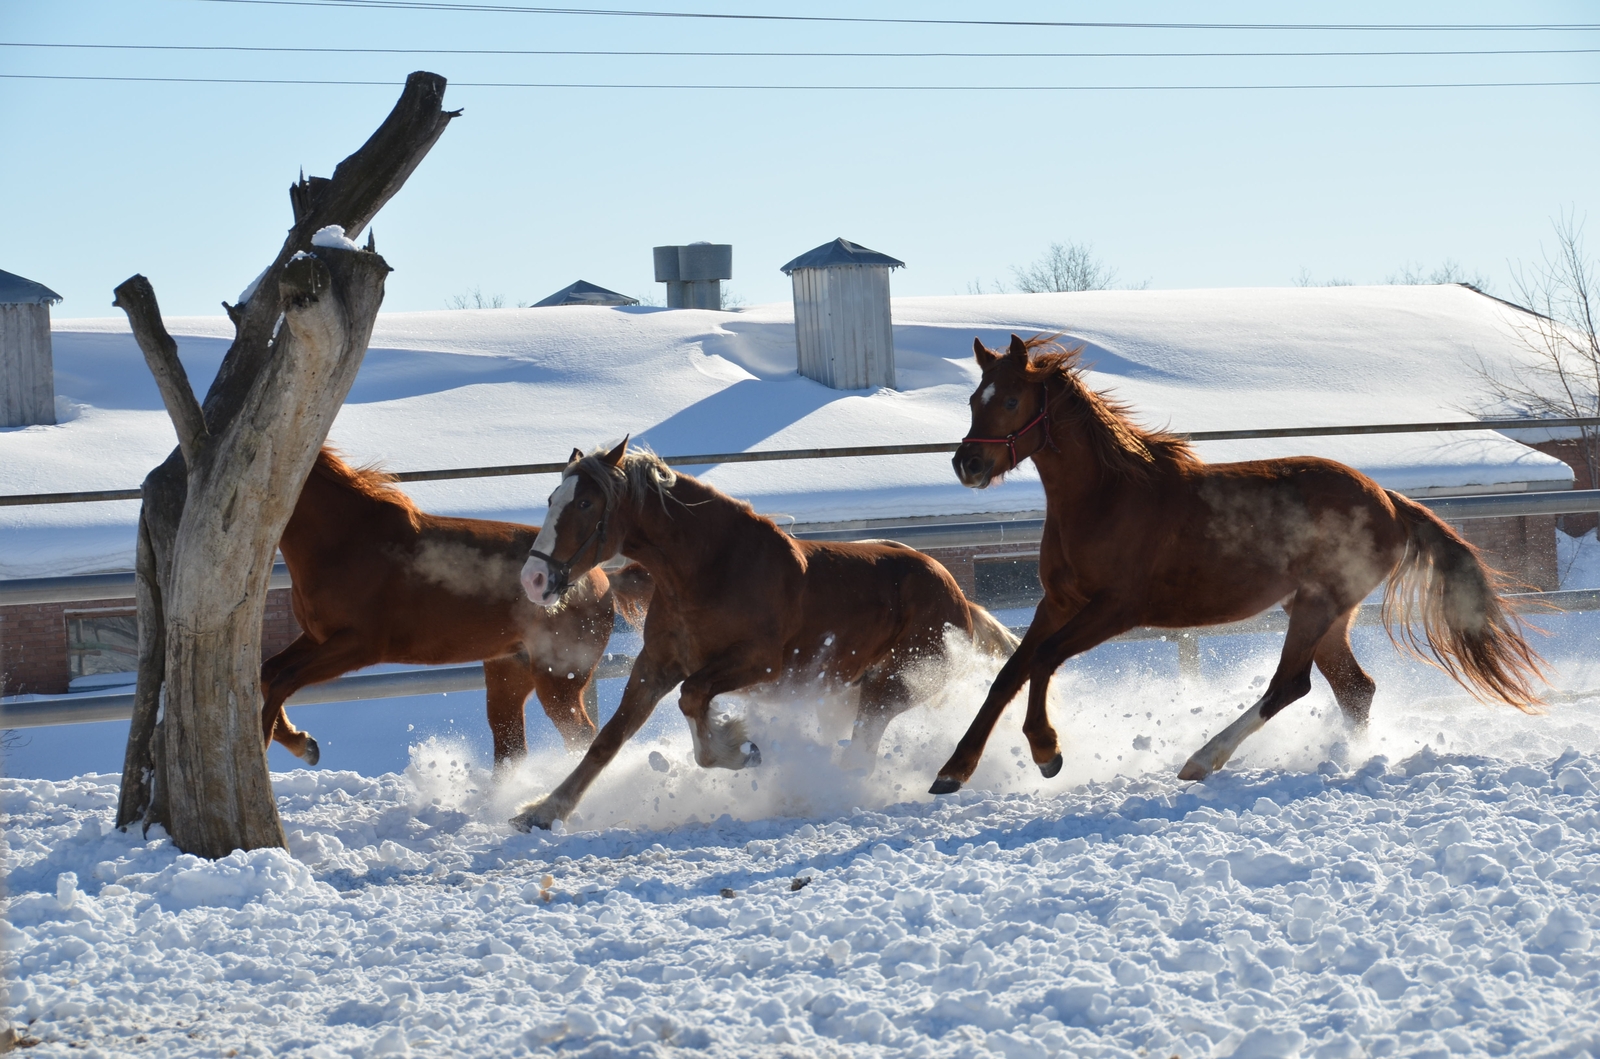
(1139, 531)
(740, 603)
(377, 580)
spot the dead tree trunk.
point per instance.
(214, 511)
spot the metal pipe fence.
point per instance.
(850, 451)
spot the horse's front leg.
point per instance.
(1009, 681)
(1042, 650)
(1094, 625)
(725, 746)
(650, 679)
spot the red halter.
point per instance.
(1010, 440)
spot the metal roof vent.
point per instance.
(27, 371)
(843, 334)
(694, 274)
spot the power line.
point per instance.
(441, 5)
(813, 88)
(810, 54)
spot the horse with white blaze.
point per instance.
(739, 603)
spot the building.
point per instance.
(27, 375)
(844, 335)
(585, 293)
(488, 389)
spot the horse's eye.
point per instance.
(1011, 404)
(583, 505)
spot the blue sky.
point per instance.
(536, 187)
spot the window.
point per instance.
(101, 641)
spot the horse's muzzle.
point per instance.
(538, 583)
(972, 467)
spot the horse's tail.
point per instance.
(1471, 631)
(990, 637)
(631, 589)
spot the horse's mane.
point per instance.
(1121, 445)
(642, 475)
(368, 482)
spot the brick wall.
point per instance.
(1523, 548)
(1568, 452)
(33, 640)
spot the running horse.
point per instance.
(739, 603)
(377, 580)
(1139, 531)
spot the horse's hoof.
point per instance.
(1193, 770)
(752, 756)
(1051, 768)
(944, 786)
(312, 752)
(533, 816)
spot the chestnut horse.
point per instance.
(1140, 532)
(740, 603)
(377, 580)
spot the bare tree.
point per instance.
(1449, 272)
(1065, 267)
(476, 299)
(1305, 279)
(1562, 377)
(212, 514)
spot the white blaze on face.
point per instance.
(535, 572)
(987, 395)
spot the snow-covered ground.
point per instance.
(1431, 888)
(474, 388)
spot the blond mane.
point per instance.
(641, 476)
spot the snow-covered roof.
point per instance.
(15, 290)
(468, 388)
(840, 252)
(585, 293)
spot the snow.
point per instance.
(1431, 890)
(468, 388)
(333, 237)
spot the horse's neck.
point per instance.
(325, 515)
(681, 536)
(1071, 474)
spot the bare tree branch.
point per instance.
(359, 188)
(138, 299)
(1562, 374)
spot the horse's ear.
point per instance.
(614, 457)
(1019, 348)
(985, 355)
(577, 454)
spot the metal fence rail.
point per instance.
(509, 470)
(86, 707)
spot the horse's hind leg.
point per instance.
(884, 696)
(1309, 621)
(301, 663)
(565, 704)
(724, 746)
(1352, 687)
(507, 682)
